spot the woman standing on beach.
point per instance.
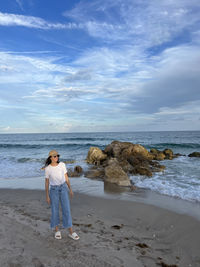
(56, 176)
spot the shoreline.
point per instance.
(110, 191)
(113, 232)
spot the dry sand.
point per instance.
(112, 233)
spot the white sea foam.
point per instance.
(178, 180)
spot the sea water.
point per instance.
(23, 156)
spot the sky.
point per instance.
(99, 65)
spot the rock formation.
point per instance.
(194, 154)
(120, 159)
(95, 156)
(77, 172)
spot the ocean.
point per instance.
(23, 155)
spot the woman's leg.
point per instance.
(66, 212)
(54, 196)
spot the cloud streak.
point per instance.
(7, 19)
(125, 21)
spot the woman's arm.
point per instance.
(47, 191)
(68, 184)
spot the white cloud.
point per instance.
(7, 19)
(31, 69)
(80, 75)
(136, 83)
(60, 94)
(138, 73)
(5, 68)
(144, 23)
(192, 108)
(5, 129)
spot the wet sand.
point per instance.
(112, 233)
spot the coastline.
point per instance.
(113, 232)
(100, 189)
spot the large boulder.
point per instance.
(194, 154)
(115, 174)
(156, 167)
(160, 156)
(115, 148)
(95, 173)
(95, 156)
(126, 166)
(154, 151)
(139, 160)
(124, 150)
(136, 150)
(157, 155)
(168, 153)
(142, 171)
(119, 159)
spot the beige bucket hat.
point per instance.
(53, 153)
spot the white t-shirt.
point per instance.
(56, 174)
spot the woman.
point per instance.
(56, 176)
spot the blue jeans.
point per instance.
(59, 193)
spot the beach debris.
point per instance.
(83, 224)
(142, 245)
(163, 264)
(116, 226)
(133, 187)
(36, 262)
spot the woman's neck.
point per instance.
(54, 163)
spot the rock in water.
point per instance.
(124, 150)
(115, 174)
(120, 159)
(94, 173)
(95, 156)
(194, 154)
(157, 155)
(78, 169)
(168, 153)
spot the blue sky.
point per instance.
(87, 66)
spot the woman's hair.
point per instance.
(48, 161)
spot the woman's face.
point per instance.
(54, 159)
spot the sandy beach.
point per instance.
(112, 233)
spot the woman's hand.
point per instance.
(71, 193)
(48, 200)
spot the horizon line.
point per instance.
(102, 132)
